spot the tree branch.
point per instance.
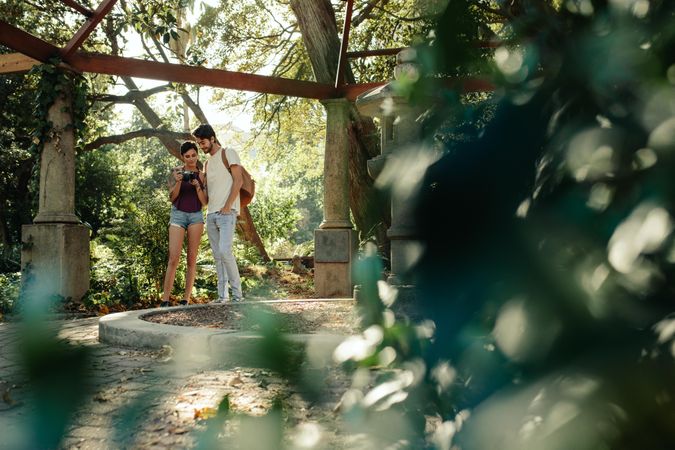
(130, 96)
(365, 12)
(142, 133)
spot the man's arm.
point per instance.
(237, 181)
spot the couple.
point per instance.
(189, 190)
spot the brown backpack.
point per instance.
(247, 190)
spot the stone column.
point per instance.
(336, 166)
(400, 129)
(334, 241)
(55, 248)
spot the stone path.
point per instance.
(150, 399)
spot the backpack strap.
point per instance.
(225, 161)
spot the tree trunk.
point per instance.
(316, 19)
(247, 230)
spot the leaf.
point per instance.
(205, 413)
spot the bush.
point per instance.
(10, 285)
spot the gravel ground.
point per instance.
(308, 316)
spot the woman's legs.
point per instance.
(194, 238)
(176, 236)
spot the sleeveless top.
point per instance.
(187, 200)
(219, 180)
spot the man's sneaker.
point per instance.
(164, 304)
(237, 299)
(219, 300)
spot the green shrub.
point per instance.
(10, 284)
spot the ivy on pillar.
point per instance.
(55, 248)
(334, 241)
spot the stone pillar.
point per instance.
(336, 166)
(400, 129)
(334, 241)
(55, 248)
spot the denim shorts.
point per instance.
(185, 219)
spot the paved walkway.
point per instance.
(150, 399)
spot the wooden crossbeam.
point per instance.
(79, 8)
(85, 30)
(26, 43)
(16, 63)
(465, 85)
(116, 65)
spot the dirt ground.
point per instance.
(309, 316)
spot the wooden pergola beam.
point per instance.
(79, 8)
(85, 30)
(16, 63)
(26, 43)
(465, 85)
(117, 65)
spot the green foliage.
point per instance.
(9, 291)
(97, 185)
(16, 162)
(274, 214)
(139, 243)
(55, 82)
(549, 278)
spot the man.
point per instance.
(222, 184)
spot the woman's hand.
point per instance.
(177, 175)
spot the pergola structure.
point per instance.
(57, 230)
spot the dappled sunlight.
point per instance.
(662, 139)
(659, 106)
(665, 330)
(512, 62)
(643, 232)
(563, 411)
(525, 331)
(600, 196)
(404, 171)
(592, 153)
(387, 293)
(444, 375)
(390, 392)
(307, 435)
(359, 347)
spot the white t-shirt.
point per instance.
(219, 180)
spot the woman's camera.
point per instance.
(188, 175)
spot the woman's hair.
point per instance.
(185, 146)
(204, 131)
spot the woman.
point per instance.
(186, 192)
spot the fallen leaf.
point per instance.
(236, 381)
(205, 413)
(101, 398)
(7, 398)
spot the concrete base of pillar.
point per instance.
(332, 280)
(333, 255)
(55, 259)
